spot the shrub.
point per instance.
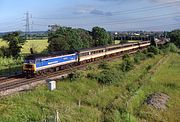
(104, 65)
(153, 49)
(92, 76)
(145, 51)
(172, 47)
(150, 55)
(126, 56)
(4, 52)
(91, 67)
(136, 60)
(109, 76)
(138, 57)
(127, 65)
(74, 75)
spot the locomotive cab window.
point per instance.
(29, 61)
(29, 66)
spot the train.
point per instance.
(38, 64)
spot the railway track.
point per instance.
(18, 81)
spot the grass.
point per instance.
(37, 45)
(97, 102)
(10, 66)
(165, 80)
(2, 43)
(118, 41)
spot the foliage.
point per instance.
(4, 51)
(172, 47)
(126, 57)
(127, 65)
(75, 75)
(138, 57)
(38, 46)
(15, 42)
(153, 49)
(150, 55)
(96, 101)
(175, 37)
(104, 65)
(100, 37)
(10, 66)
(109, 76)
(66, 38)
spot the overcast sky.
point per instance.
(114, 15)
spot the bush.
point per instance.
(110, 76)
(74, 75)
(4, 52)
(126, 56)
(92, 76)
(172, 47)
(150, 55)
(145, 51)
(137, 60)
(138, 57)
(91, 67)
(153, 49)
(127, 65)
(104, 65)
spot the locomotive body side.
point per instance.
(46, 63)
(34, 65)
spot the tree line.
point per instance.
(66, 38)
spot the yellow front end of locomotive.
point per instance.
(29, 67)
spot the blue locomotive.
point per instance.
(37, 64)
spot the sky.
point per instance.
(113, 15)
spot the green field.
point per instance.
(166, 80)
(2, 43)
(10, 66)
(118, 41)
(84, 99)
(37, 45)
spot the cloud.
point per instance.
(110, 0)
(159, 1)
(99, 12)
(164, 1)
(86, 9)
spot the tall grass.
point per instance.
(10, 66)
(84, 99)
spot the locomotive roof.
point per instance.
(52, 54)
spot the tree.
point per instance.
(15, 42)
(65, 38)
(101, 37)
(175, 37)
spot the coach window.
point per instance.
(84, 54)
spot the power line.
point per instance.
(127, 21)
(135, 11)
(148, 27)
(136, 20)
